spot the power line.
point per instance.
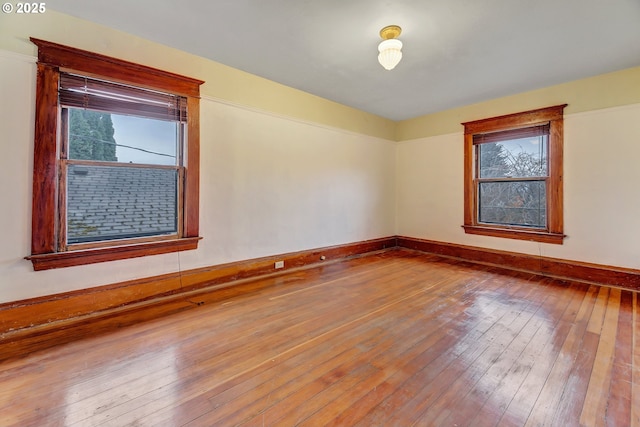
(120, 145)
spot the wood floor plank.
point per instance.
(599, 309)
(394, 338)
(489, 370)
(455, 341)
(551, 393)
(149, 402)
(569, 406)
(595, 403)
(543, 359)
(424, 387)
(492, 407)
(276, 393)
(501, 397)
(619, 406)
(149, 362)
(401, 360)
(226, 364)
(274, 399)
(507, 375)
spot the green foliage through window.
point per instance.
(91, 136)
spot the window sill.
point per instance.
(519, 234)
(113, 253)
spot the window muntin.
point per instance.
(513, 176)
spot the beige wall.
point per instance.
(601, 207)
(285, 171)
(601, 203)
(281, 170)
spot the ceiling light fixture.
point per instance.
(390, 47)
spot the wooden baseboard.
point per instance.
(565, 269)
(40, 313)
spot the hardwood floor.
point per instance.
(398, 338)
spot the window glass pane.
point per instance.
(105, 203)
(520, 203)
(517, 158)
(108, 137)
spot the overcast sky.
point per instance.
(527, 145)
(146, 136)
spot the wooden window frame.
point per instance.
(553, 232)
(53, 58)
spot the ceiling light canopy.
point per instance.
(390, 48)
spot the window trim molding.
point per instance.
(53, 58)
(554, 196)
(111, 253)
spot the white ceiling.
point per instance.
(456, 52)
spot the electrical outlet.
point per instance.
(279, 264)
